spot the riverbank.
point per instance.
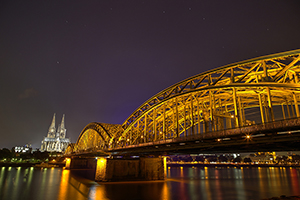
(169, 164)
(29, 164)
(236, 165)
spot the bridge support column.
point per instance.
(296, 105)
(108, 169)
(261, 108)
(270, 104)
(152, 168)
(237, 124)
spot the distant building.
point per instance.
(22, 149)
(56, 140)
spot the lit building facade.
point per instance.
(56, 140)
(22, 149)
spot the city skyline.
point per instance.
(99, 61)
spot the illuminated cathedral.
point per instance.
(56, 140)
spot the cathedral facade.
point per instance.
(56, 140)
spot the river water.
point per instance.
(208, 183)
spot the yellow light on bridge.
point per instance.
(101, 168)
(165, 166)
(248, 136)
(68, 163)
(101, 160)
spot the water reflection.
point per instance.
(295, 180)
(239, 184)
(2, 176)
(27, 178)
(15, 182)
(73, 188)
(218, 184)
(181, 183)
(165, 192)
(205, 186)
(63, 184)
(98, 192)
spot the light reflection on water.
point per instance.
(181, 183)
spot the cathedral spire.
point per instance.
(61, 128)
(62, 125)
(56, 139)
(52, 129)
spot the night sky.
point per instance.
(97, 61)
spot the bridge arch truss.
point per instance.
(254, 91)
(96, 137)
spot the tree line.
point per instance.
(8, 155)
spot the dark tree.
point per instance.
(283, 158)
(5, 153)
(199, 159)
(237, 159)
(175, 158)
(222, 158)
(41, 155)
(230, 158)
(212, 159)
(26, 156)
(247, 160)
(187, 159)
(296, 158)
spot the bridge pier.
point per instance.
(130, 169)
(110, 169)
(80, 163)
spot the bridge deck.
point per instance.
(281, 135)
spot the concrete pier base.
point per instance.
(80, 163)
(152, 168)
(108, 169)
(124, 170)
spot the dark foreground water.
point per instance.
(182, 183)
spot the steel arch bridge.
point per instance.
(96, 137)
(255, 91)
